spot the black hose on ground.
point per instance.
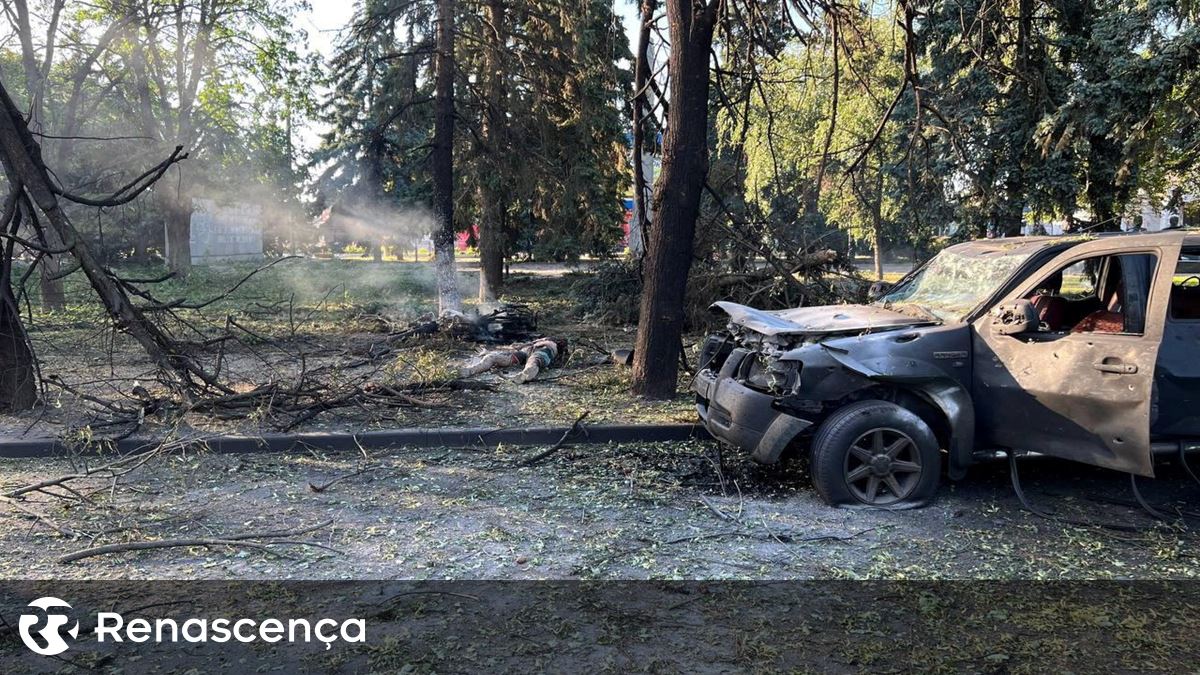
(1016, 483)
(1183, 460)
(1137, 494)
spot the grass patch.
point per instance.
(301, 295)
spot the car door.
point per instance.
(1080, 393)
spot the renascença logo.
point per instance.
(52, 642)
(112, 627)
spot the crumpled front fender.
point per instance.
(934, 385)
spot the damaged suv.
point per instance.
(1076, 347)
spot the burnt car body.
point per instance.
(1076, 347)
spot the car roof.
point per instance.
(1030, 245)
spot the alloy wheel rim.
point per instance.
(882, 467)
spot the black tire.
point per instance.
(875, 454)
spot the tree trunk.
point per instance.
(53, 297)
(141, 251)
(877, 225)
(491, 212)
(442, 159)
(642, 184)
(877, 244)
(369, 194)
(22, 159)
(677, 200)
(18, 385)
(177, 214)
(18, 390)
(491, 246)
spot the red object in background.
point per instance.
(466, 240)
(627, 218)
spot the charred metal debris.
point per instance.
(506, 324)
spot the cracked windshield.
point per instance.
(952, 284)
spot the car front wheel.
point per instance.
(875, 453)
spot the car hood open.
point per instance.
(817, 320)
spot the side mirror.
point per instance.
(878, 290)
(1014, 318)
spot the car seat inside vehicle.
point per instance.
(1059, 311)
(1185, 291)
(1049, 303)
(1105, 294)
(1110, 316)
(1185, 298)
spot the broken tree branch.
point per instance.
(576, 428)
(325, 486)
(113, 469)
(244, 539)
(41, 518)
(22, 158)
(134, 188)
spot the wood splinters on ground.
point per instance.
(325, 486)
(245, 539)
(576, 428)
(719, 513)
(39, 517)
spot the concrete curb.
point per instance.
(374, 440)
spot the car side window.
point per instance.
(1185, 287)
(1102, 294)
(1078, 281)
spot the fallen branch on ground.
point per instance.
(575, 429)
(244, 539)
(719, 513)
(325, 486)
(781, 538)
(45, 520)
(114, 469)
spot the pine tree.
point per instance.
(540, 105)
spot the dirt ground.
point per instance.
(658, 511)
